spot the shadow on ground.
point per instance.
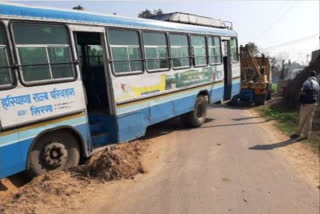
(175, 124)
(3, 187)
(233, 124)
(245, 118)
(274, 146)
(167, 127)
(16, 181)
(228, 106)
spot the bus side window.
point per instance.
(198, 44)
(234, 50)
(156, 51)
(44, 52)
(179, 47)
(125, 51)
(214, 47)
(5, 76)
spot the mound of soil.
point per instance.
(118, 162)
(52, 192)
(44, 194)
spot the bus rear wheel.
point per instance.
(198, 116)
(53, 151)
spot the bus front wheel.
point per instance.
(198, 116)
(53, 151)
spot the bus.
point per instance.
(74, 82)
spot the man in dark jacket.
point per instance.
(309, 99)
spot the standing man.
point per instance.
(309, 100)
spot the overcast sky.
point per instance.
(277, 27)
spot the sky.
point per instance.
(289, 29)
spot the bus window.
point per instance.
(214, 46)
(156, 51)
(234, 50)
(125, 51)
(198, 44)
(5, 78)
(59, 59)
(179, 47)
(44, 52)
(35, 63)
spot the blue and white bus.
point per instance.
(73, 82)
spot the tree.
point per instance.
(158, 12)
(283, 60)
(79, 7)
(253, 48)
(148, 14)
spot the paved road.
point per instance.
(218, 169)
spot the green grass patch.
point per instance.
(287, 119)
(274, 87)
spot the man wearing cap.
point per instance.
(309, 99)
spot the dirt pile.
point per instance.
(118, 162)
(54, 191)
(44, 194)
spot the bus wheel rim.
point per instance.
(54, 155)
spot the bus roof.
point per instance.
(21, 11)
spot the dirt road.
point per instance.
(233, 164)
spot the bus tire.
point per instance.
(196, 117)
(260, 99)
(53, 151)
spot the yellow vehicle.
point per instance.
(256, 78)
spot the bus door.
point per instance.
(227, 70)
(91, 52)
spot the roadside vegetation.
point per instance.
(287, 119)
(274, 87)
